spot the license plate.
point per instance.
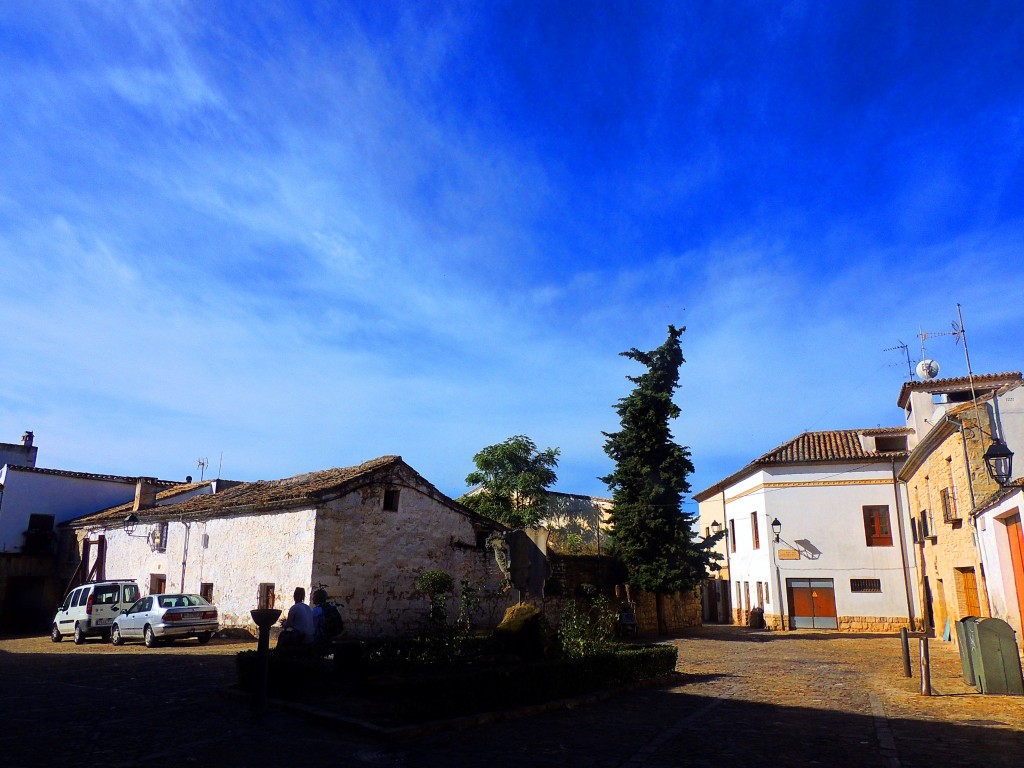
(103, 621)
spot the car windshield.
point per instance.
(180, 601)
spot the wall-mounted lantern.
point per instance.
(776, 529)
(999, 461)
(715, 527)
(131, 523)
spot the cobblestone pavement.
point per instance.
(748, 698)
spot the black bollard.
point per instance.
(905, 642)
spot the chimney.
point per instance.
(145, 494)
(27, 438)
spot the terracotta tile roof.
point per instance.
(831, 446)
(121, 510)
(985, 381)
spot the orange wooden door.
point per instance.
(824, 601)
(1016, 537)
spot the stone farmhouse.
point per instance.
(364, 533)
(843, 556)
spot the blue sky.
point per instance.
(305, 235)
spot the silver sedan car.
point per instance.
(164, 618)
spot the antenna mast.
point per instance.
(906, 352)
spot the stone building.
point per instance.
(954, 422)
(843, 555)
(578, 524)
(364, 533)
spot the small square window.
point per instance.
(206, 591)
(391, 500)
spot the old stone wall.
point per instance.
(679, 610)
(368, 558)
(949, 553)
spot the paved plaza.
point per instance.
(746, 699)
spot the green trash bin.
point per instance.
(965, 648)
(996, 658)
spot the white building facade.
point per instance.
(844, 557)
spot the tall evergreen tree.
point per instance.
(651, 534)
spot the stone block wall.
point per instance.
(873, 624)
(679, 610)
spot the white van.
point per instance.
(91, 608)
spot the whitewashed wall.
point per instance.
(995, 548)
(820, 508)
(235, 554)
(64, 497)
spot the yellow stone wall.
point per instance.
(951, 545)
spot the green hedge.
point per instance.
(417, 692)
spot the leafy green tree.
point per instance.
(514, 478)
(652, 536)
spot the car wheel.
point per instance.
(148, 637)
(79, 634)
(115, 635)
(203, 637)
(55, 634)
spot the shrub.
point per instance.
(587, 625)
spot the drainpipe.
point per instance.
(728, 590)
(903, 545)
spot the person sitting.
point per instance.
(327, 619)
(299, 628)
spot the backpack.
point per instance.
(331, 624)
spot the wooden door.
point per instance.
(1016, 536)
(812, 603)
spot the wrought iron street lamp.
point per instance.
(131, 523)
(999, 461)
(776, 529)
(715, 528)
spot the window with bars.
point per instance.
(949, 512)
(865, 585)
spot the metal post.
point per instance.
(905, 642)
(926, 672)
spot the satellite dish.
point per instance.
(927, 369)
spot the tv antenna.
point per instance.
(201, 465)
(906, 352)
